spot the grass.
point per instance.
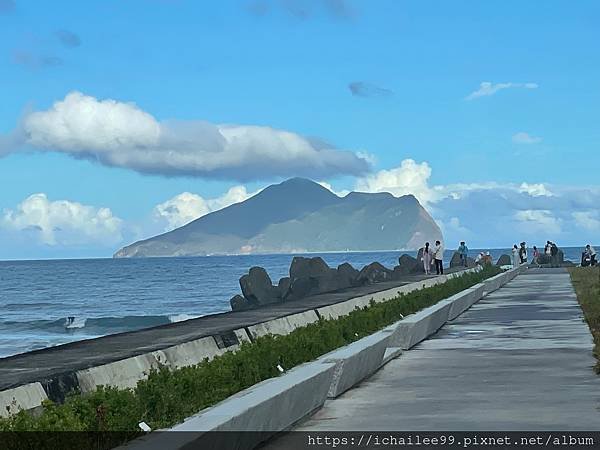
(586, 281)
(167, 397)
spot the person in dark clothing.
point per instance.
(554, 254)
(438, 256)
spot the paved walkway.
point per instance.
(520, 359)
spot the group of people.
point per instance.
(550, 250)
(519, 254)
(588, 258)
(434, 256)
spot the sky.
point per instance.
(120, 119)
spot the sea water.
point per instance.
(50, 302)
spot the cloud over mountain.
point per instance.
(494, 214)
(121, 134)
(185, 207)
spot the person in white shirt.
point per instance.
(591, 251)
(438, 257)
(515, 255)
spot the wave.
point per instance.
(92, 325)
(181, 317)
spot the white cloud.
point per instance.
(486, 88)
(185, 207)
(62, 222)
(123, 135)
(533, 222)
(535, 190)
(588, 220)
(492, 214)
(341, 193)
(525, 138)
(409, 178)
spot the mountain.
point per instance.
(296, 216)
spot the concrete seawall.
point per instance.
(338, 371)
(122, 360)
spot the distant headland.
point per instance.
(298, 216)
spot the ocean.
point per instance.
(107, 296)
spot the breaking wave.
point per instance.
(94, 325)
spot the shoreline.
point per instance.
(472, 251)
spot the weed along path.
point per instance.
(520, 359)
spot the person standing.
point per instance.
(462, 251)
(523, 253)
(438, 256)
(591, 251)
(554, 254)
(515, 255)
(536, 255)
(427, 258)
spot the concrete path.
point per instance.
(520, 359)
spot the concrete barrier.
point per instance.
(26, 397)
(283, 325)
(190, 353)
(121, 374)
(414, 328)
(344, 308)
(356, 361)
(462, 301)
(126, 373)
(496, 282)
(265, 409)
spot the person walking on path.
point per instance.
(427, 258)
(591, 252)
(438, 256)
(515, 255)
(462, 251)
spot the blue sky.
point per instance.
(180, 69)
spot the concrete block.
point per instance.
(414, 328)
(356, 361)
(121, 374)
(283, 325)
(496, 282)
(391, 353)
(190, 353)
(464, 300)
(344, 308)
(265, 409)
(127, 372)
(26, 397)
(389, 294)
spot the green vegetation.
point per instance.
(586, 281)
(167, 397)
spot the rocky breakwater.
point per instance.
(456, 261)
(312, 276)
